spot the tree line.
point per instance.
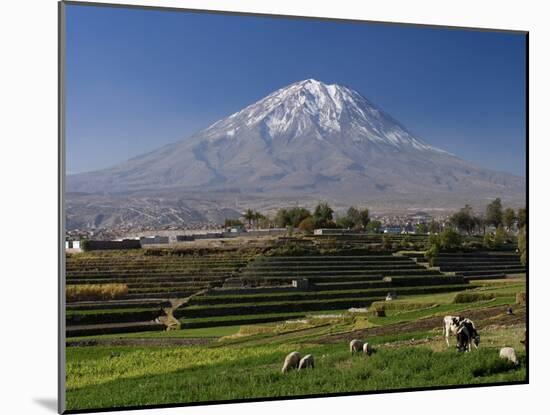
(306, 220)
(466, 221)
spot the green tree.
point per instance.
(85, 245)
(344, 222)
(479, 224)
(322, 216)
(449, 238)
(386, 242)
(421, 228)
(229, 223)
(282, 218)
(265, 222)
(374, 226)
(493, 213)
(249, 215)
(500, 236)
(522, 218)
(464, 220)
(307, 225)
(364, 217)
(297, 215)
(353, 217)
(434, 227)
(291, 217)
(257, 218)
(434, 246)
(509, 218)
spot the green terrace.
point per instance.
(213, 299)
(97, 305)
(334, 282)
(480, 265)
(123, 315)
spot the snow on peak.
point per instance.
(313, 108)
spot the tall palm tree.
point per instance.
(257, 218)
(249, 215)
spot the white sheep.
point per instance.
(306, 361)
(355, 346)
(509, 354)
(367, 349)
(292, 360)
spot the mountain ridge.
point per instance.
(308, 138)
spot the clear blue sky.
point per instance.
(139, 79)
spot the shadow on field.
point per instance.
(48, 403)
(495, 368)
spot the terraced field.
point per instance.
(186, 366)
(155, 285)
(477, 265)
(187, 321)
(333, 283)
(238, 288)
(357, 240)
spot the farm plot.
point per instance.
(480, 265)
(152, 284)
(246, 312)
(333, 283)
(247, 365)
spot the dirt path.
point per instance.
(169, 320)
(142, 342)
(482, 318)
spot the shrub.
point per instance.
(434, 246)
(307, 225)
(473, 245)
(469, 297)
(386, 243)
(450, 239)
(89, 292)
(290, 250)
(85, 245)
(500, 236)
(378, 309)
(374, 226)
(488, 241)
(521, 298)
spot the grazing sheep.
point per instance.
(306, 361)
(367, 349)
(292, 360)
(355, 346)
(509, 353)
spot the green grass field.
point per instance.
(234, 345)
(245, 362)
(120, 376)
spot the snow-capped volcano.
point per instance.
(308, 138)
(314, 108)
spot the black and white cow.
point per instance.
(464, 330)
(451, 324)
(466, 335)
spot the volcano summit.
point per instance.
(308, 140)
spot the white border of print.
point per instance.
(29, 202)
